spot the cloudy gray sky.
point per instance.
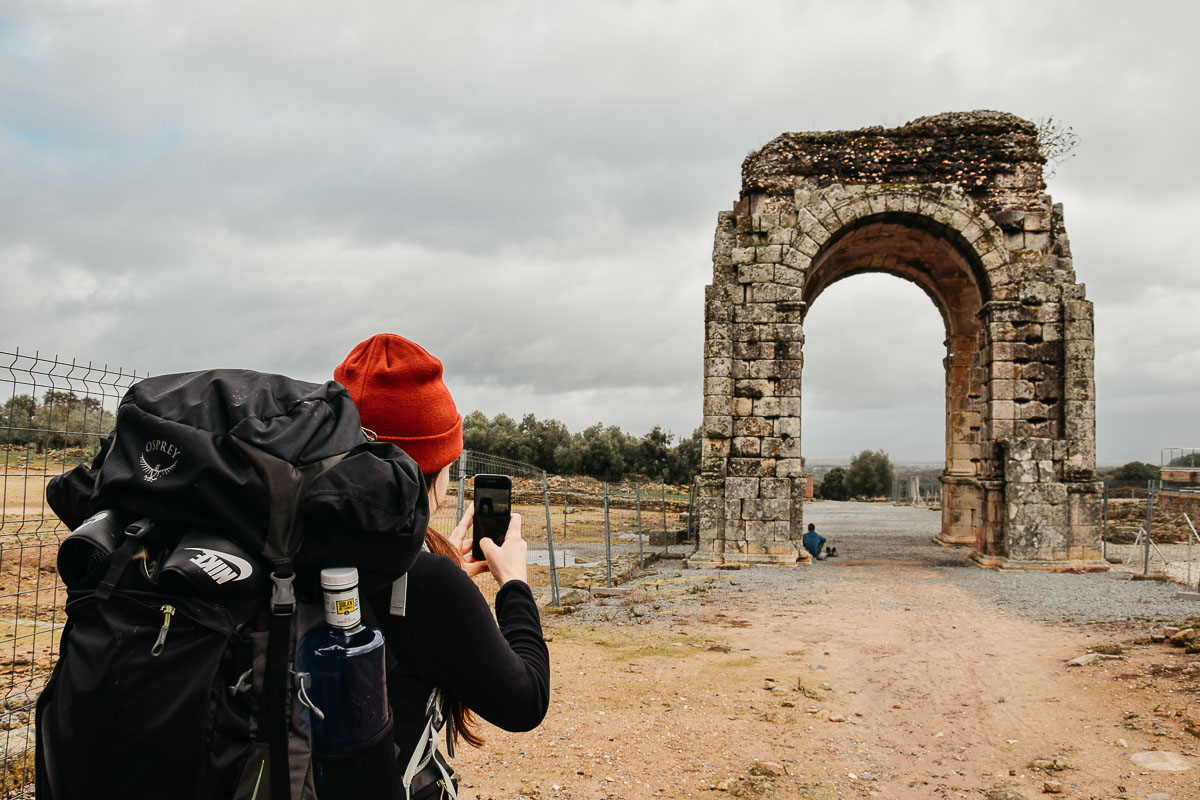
(529, 189)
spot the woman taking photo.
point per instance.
(445, 637)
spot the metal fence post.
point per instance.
(691, 507)
(641, 554)
(462, 486)
(666, 541)
(1149, 523)
(550, 544)
(1104, 530)
(566, 502)
(607, 542)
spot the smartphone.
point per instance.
(493, 502)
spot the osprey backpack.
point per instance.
(191, 571)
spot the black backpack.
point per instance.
(197, 536)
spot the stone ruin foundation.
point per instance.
(956, 204)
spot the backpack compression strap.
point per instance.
(275, 681)
(426, 750)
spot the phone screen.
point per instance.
(493, 499)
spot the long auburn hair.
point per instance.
(464, 719)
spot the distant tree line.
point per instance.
(604, 452)
(870, 474)
(58, 420)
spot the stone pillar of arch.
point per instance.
(954, 203)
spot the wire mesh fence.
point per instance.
(574, 524)
(54, 415)
(1151, 527)
(915, 490)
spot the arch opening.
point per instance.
(931, 256)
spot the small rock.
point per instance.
(1182, 638)
(1161, 761)
(1089, 659)
(573, 597)
(1110, 649)
(761, 786)
(1052, 787)
(817, 667)
(836, 718)
(767, 769)
(867, 776)
(1122, 743)
(1005, 794)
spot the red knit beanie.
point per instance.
(398, 389)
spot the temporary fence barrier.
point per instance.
(55, 413)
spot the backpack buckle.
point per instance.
(283, 594)
(138, 530)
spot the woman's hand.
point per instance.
(461, 542)
(507, 562)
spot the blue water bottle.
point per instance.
(353, 755)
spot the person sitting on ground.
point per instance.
(813, 542)
(447, 636)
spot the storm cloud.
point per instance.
(530, 189)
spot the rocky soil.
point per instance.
(893, 671)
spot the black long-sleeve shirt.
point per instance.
(448, 638)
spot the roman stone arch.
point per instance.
(956, 204)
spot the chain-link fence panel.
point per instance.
(54, 415)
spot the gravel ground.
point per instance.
(901, 538)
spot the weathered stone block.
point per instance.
(787, 427)
(746, 446)
(718, 405)
(758, 313)
(766, 369)
(790, 368)
(787, 467)
(774, 488)
(762, 292)
(771, 447)
(718, 386)
(808, 245)
(751, 467)
(752, 509)
(718, 348)
(781, 236)
(718, 427)
(771, 254)
(714, 447)
(753, 389)
(741, 488)
(718, 367)
(752, 426)
(767, 407)
(756, 273)
(754, 350)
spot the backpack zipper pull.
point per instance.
(167, 610)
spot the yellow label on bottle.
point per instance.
(345, 606)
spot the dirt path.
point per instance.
(888, 681)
